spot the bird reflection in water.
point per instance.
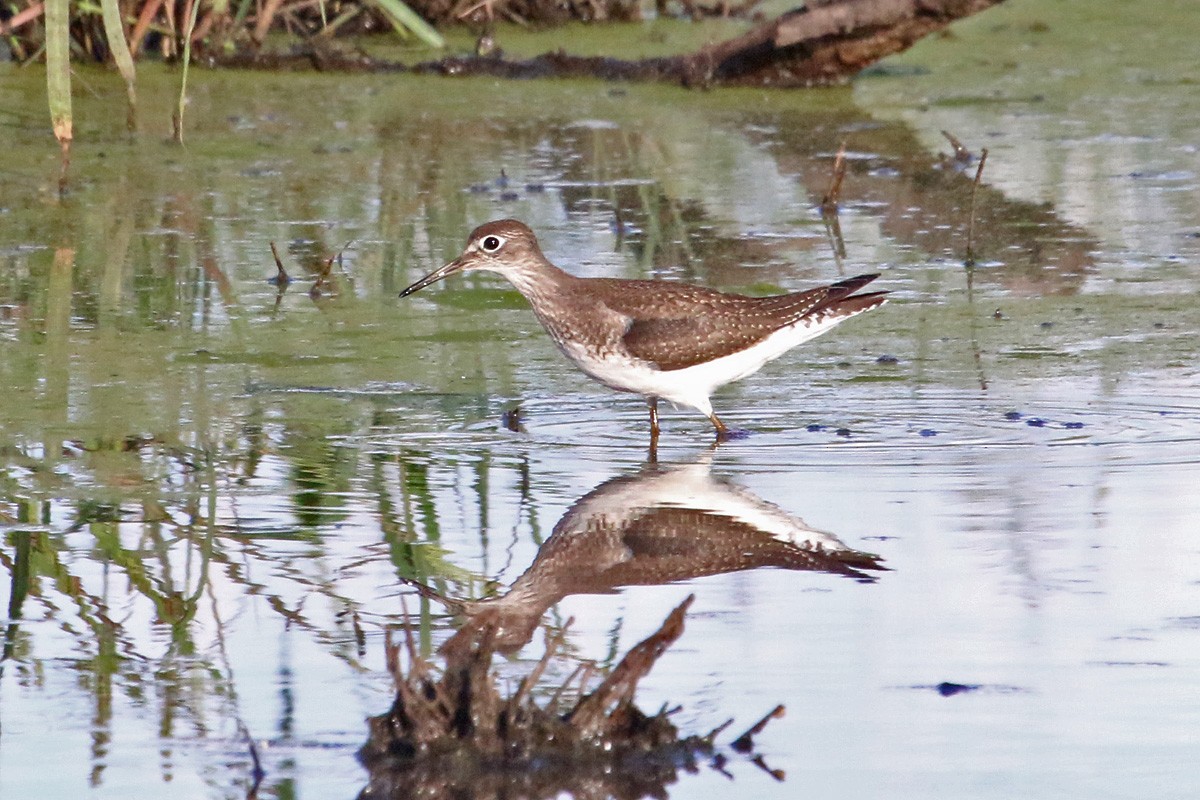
(662, 524)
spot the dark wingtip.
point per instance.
(852, 285)
(857, 303)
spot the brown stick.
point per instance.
(553, 643)
(745, 742)
(203, 27)
(961, 153)
(22, 17)
(983, 154)
(830, 200)
(281, 276)
(976, 351)
(265, 18)
(590, 714)
(149, 12)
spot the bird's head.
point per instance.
(501, 246)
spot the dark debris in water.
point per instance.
(513, 419)
(816, 427)
(1041, 422)
(452, 734)
(952, 688)
(1129, 663)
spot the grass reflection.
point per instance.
(144, 562)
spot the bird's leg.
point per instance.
(652, 456)
(722, 431)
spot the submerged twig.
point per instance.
(324, 277)
(829, 207)
(745, 742)
(717, 731)
(961, 153)
(833, 229)
(257, 773)
(591, 714)
(976, 351)
(830, 200)
(553, 642)
(281, 276)
(969, 263)
(983, 154)
(556, 696)
(761, 763)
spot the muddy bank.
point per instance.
(822, 42)
(811, 46)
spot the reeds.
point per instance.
(174, 29)
(58, 79)
(114, 32)
(133, 29)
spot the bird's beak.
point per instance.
(454, 266)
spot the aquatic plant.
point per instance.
(174, 30)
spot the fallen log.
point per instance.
(824, 42)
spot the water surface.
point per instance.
(210, 490)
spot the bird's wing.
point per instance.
(671, 335)
(684, 342)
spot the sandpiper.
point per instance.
(665, 340)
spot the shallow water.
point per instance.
(209, 491)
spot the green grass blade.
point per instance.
(114, 31)
(187, 60)
(405, 20)
(58, 67)
(58, 80)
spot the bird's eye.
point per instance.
(491, 244)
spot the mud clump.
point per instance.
(450, 733)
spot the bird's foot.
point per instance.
(732, 434)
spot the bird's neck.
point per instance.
(560, 301)
(543, 284)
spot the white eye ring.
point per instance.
(491, 243)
